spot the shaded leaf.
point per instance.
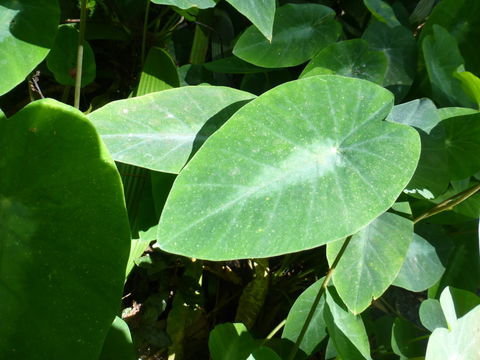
(118, 344)
(159, 73)
(408, 341)
(382, 11)
(231, 342)
(187, 4)
(431, 314)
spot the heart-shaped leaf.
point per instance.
(158, 131)
(371, 261)
(27, 31)
(65, 235)
(299, 32)
(276, 176)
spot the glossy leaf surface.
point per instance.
(297, 315)
(351, 58)
(299, 32)
(158, 131)
(277, 184)
(27, 31)
(260, 12)
(61, 201)
(371, 261)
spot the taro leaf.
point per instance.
(27, 31)
(442, 59)
(316, 149)
(408, 341)
(233, 65)
(231, 342)
(422, 267)
(462, 143)
(299, 32)
(470, 84)
(65, 235)
(187, 4)
(158, 131)
(260, 12)
(62, 60)
(456, 303)
(351, 58)
(431, 315)
(345, 329)
(461, 341)
(297, 315)
(399, 45)
(419, 113)
(159, 72)
(118, 344)
(460, 19)
(449, 112)
(382, 11)
(264, 353)
(371, 261)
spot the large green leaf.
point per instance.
(62, 60)
(158, 131)
(349, 58)
(260, 12)
(422, 267)
(64, 236)
(371, 261)
(187, 4)
(460, 18)
(316, 330)
(27, 31)
(442, 59)
(299, 32)
(461, 341)
(346, 330)
(399, 46)
(316, 148)
(118, 344)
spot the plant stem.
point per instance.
(322, 290)
(81, 41)
(144, 35)
(450, 203)
(277, 329)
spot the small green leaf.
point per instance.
(470, 84)
(461, 341)
(187, 4)
(351, 58)
(431, 314)
(371, 261)
(264, 353)
(345, 329)
(316, 330)
(316, 149)
(64, 236)
(382, 11)
(400, 48)
(419, 113)
(299, 32)
(422, 267)
(62, 60)
(159, 73)
(231, 342)
(118, 344)
(158, 131)
(449, 112)
(27, 32)
(442, 59)
(260, 12)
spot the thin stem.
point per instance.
(450, 203)
(313, 308)
(144, 36)
(276, 330)
(81, 42)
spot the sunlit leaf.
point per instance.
(260, 12)
(118, 344)
(187, 4)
